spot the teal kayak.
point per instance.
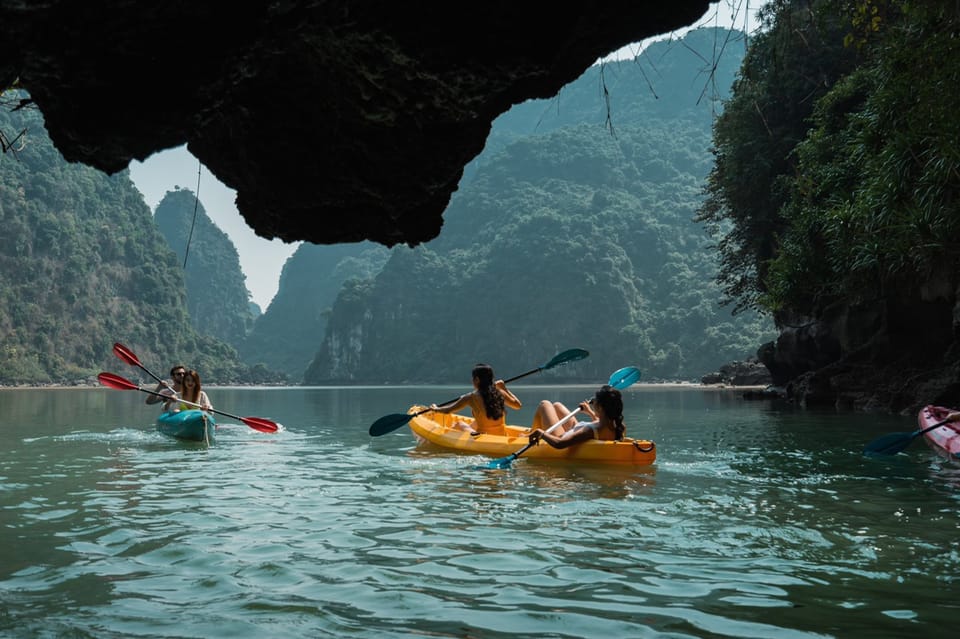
(194, 425)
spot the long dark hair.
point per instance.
(193, 397)
(492, 399)
(609, 398)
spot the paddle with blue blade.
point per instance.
(390, 423)
(895, 442)
(120, 383)
(621, 379)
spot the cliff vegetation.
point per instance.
(835, 189)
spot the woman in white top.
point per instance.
(606, 420)
(192, 393)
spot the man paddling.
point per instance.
(166, 390)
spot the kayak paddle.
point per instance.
(130, 357)
(620, 379)
(119, 383)
(390, 423)
(895, 442)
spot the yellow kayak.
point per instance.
(436, 428)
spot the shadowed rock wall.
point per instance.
(335, 121)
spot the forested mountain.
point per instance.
(578, 233)
(286, 336)
(669, 80)
(836, 185)
(217, 297)
(81, 266)
(573, 229)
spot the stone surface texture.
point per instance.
(335, 121)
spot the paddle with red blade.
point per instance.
(119, 383)
(390, 423)
(130, 357)
(621, 379)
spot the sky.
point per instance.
(732, 14)
(262, 260)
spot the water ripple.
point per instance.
(746, 527)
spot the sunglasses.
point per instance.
(179, 374)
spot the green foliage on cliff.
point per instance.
(866, 181)
(286, 336)
(81, 266)
(788, 67)
(217, 298)
(570, 236)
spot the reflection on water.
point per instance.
(758, 520)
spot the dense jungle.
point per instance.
(834, 189)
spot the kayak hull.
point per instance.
(192, 425)
(943, 439)
(436, 429)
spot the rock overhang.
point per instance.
(334, 121)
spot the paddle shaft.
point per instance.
(620, 379)
(552, 428)
(506, 381)
(120, 383)
(410, 416)
(130, 357)
(929, 428)
(895, 442)
(183, 401)
(150, 373)
(917, 433)
(390, 423)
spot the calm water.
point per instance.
(758, 520)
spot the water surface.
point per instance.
(758, 520)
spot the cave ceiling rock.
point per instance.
(335, 121)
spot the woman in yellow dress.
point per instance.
(488, 403)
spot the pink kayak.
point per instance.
(944, 439)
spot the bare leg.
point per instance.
(463, 426)
(548, 414)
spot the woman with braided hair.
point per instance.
(488, 403)
(606, 420)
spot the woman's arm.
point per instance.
(568, 439)
(204, 401)
(459, 403)
(509, 399)
(587, 407)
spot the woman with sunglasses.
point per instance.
(168, 391)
